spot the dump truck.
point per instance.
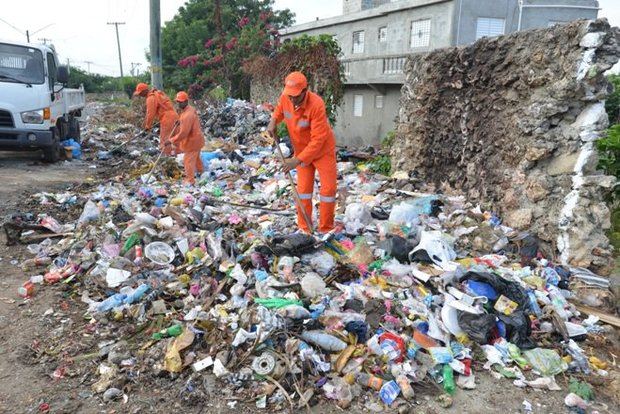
(37, 110)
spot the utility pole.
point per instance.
(134, 67)
(45, 40)
(88, 62)
(28, 36)
(118, 43)
(156, 74)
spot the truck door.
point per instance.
(57, 106)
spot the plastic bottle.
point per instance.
(138, 251)
(133, 240)
(37, 261)
(369, 381)
(111, 302)
(534, 303)
(174, 330)
(405, 387)
(373, 345)
(136, 294)
(36, 279)
(26, 290)
(448, 380)
(389, 392)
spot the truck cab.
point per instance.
(37, 112)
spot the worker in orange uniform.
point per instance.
(159, 106)
(314, 148)
(189, 138)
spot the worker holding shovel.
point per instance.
(314, 148)
(188, 138)
(159, 106)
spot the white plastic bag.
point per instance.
(90, 213)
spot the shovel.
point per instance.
(293, 186)
(148, 176)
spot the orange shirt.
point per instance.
(157, 105)
(311, 135)
(189, 137)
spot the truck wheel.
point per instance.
(74, 130)
(52, 153)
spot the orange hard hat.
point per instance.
(141, 87)
(294, 83)
(181, 97)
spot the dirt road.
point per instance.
(24, 384)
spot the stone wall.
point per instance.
(512, 122)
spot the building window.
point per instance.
(358, 42)
(393, 65)
(379, 101)
(383, 34)
(420, 33)
(489, 27)
(358, 105)
(347, 68)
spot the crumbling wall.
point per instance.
(512, 122)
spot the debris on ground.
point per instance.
(412, 294)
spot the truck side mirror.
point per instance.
(62, 74)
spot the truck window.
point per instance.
(51, 70)
(22, 63)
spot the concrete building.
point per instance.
(376, 36)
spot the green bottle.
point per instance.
(133, 240)
(174, 330)
(448, 380)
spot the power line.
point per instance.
(9, 24)
(118, 43)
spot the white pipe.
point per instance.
(458, 28)
(520, 15)
(557, 6)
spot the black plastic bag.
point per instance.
(478, 327)
(397, 247)
(518, 329)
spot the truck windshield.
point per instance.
(19, 63)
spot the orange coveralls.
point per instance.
(315, 146)
(190, 140)
(159, 105)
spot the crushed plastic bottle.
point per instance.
(448, 380)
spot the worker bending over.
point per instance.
(188, 138)
(314, 148)
(158, 106)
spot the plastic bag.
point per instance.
(322, 262)
(407, 212)
(545, 361)
(312, 285)
(90, 213)
(361, 253)
(357, 216)
(434, 248)
(397, 247)
(478, 327)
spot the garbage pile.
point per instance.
(235, 120)
(410, 292)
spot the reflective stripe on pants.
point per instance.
(328, 177)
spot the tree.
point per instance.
(206, 42)
(314, 56)
(612, 104)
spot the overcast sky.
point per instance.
(80, 32)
